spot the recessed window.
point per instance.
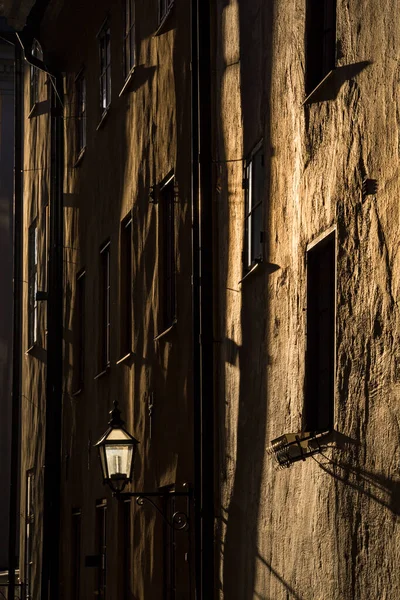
(101, 543)
(105, 66)
(76, 553)
(254, 185)
(320, 41)
(129, 37)
(80, 330)
(167, 258)
(34, 74)
(80, 110)
(105, 306)
(126, 287)
(32, 284)
(320, 357)
(29, 534)
(164, 6)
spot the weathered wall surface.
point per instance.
(145, 135)
(327, 527)
(6, 254)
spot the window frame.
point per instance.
(253, 208)
(164, 8)
(104, 41)
(105, 306)
(33, 282)
(80, 112)
(319, 409)
(129, 38)
(167, 252)
(80, 322)
(34, 73)
(126, 286)
(101, 544)
(29, 531)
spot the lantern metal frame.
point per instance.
(180, 519)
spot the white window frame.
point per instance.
(104, 39)
(253, 208)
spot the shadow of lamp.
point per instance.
(117, 449)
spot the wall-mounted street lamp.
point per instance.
(292, 447)
(117, 450)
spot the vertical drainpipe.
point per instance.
(17, 319)
(52, 467)
(202, 300)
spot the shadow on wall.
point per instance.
(375, 486)
(238, 552)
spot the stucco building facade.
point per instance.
(266, 133)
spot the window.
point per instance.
(320, 41)
(34, 74)
(164, 6)
(29, 533)
(105, 308)
(32, 284)
(76, 554)
(169, 546)
(320, 357)
(80, 330)
(167, 252)
(101, 543)
(129, 37)
(80, 90)
(254, 185)
(105, 66)
(126, 299)
(126, 536)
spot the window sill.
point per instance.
(32, 112)
(103, 118)
(102, 373)
(161, 28)
(163, 333)
(79, 159)
(312, 96)
(127, 81)
(252, 269)
(125, 358)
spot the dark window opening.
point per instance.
(75, 554)
(105, 306)
(105, 66)
(32, 284)
(167, 255)
(80, 89)
(126, 297)
(320, 357)
(80, 330)
(129, 37)
(164, 6)
(29, 534)
(320, 41)
(101, 542)
(34, 74)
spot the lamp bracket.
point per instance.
(180, 519)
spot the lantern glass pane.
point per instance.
(118, 434)
(103, 462)
(119, 460)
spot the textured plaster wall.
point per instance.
(134, 149)
(328, 527)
